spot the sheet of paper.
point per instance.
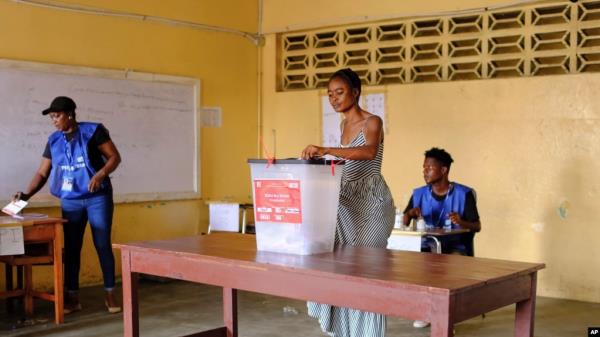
(35, 215)
(211, 117)
(331, 124)
(224, 216)
(405, 242)
(31, 216)
(14, 207)
(11, 241)
(374, 103)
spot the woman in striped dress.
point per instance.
(366, 210)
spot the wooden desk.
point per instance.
(441, 289)
(46, 230)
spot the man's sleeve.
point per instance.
(471, 213)
(47, 154)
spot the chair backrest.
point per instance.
(468, 239)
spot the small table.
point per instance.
(38, 230)
(408, 239)
(438, 288)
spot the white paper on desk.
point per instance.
(405, 242)
(224, 216)
(14, 207)
(32, 216)
(11, 241)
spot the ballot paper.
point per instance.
(14, 207)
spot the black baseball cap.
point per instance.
(61, 104)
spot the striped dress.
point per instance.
(365, 218)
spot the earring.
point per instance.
(70, 117)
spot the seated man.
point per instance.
(441, 200)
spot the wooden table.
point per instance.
(38, 230)
(441, 289)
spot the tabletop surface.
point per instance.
(453, 273)
(8, 221)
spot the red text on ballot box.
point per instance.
(277, 200)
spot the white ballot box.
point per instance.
(295, 204)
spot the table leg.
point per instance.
(230, 311)
(442, 316)
(28, 290)
(20, 277)
(525, 312)
(244, 211)
(58, 274)
(130, 300)
(8, 273)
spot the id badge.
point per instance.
(67, 185)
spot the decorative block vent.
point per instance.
(530, 40)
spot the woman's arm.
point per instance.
(37, 182)
(113, 159)
(373, 134)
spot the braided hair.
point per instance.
(350, 77)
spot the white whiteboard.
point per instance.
(152, 119)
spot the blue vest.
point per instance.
(436, 212)
(71, 169)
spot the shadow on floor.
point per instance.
(176, 308)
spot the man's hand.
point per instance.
(455, 218)
(411, 214)
(414, 212)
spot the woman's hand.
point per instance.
(21, 196)
(96, 181)
(313, 151)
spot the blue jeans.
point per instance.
(98, 209)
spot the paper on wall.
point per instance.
(11, 241)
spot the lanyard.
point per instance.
(450, 188)
(70, 147)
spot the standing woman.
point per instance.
(77, 160)
(366, 209)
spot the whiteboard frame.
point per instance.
(125, 74)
